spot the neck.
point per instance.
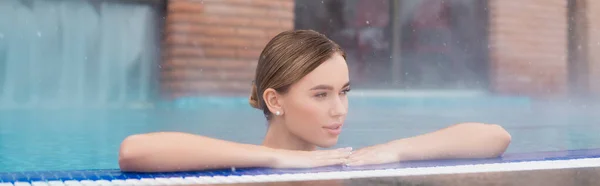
(279, 137)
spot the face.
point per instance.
(316, 106)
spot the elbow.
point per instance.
(497, 138)
(502, 136)
(130, 153)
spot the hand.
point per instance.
(377, 154)
(310, 159)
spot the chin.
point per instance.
(327, 143)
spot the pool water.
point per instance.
(76, 139)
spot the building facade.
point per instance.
(534, 48)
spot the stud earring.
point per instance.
(277, 113)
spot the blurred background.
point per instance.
(76, 77)
(61, 52)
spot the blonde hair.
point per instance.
(287, 58)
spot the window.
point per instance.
(441, 43)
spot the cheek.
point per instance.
(307, 112)
(345, 101)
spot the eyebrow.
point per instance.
(327, 87)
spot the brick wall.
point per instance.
(593, 20)
(528, 47)
(212, 46)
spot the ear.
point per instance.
(273, 100)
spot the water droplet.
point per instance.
(367, 22)
(39, 34)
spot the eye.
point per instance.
(345, 91)
(321, 95)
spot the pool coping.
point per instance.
(115, 174)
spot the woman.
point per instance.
(301, 84)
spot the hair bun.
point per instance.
(253, 98)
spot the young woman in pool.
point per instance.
(301, 84)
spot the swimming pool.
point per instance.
(88, 139)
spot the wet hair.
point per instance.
(286, 59)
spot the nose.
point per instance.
(339, 107)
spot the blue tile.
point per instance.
(106, 177)
(130, 176)
(61, 175)
(6, 177)
(20, 176)
(220, 172)
(36, 176)
(256, 172)
(22, 179)
(77, 175)
(147, 175)
(91, 175)
(175, 174)
(48, 176)
(56, 176)
(182, 174)
(203, 173)
(196, 173)
(120, 177)
(113, 174)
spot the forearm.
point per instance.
(172, 151)
(470, 140)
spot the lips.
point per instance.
(334, 129)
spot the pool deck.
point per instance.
(555, 177)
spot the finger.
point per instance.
(345, 155)
(356, 157)
(363, 159)
(346, 149)
(334, 151)
(359, 153)
(356, 162)
(328, 162)
(337, 155)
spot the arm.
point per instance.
(173, 151)
(467, 140)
